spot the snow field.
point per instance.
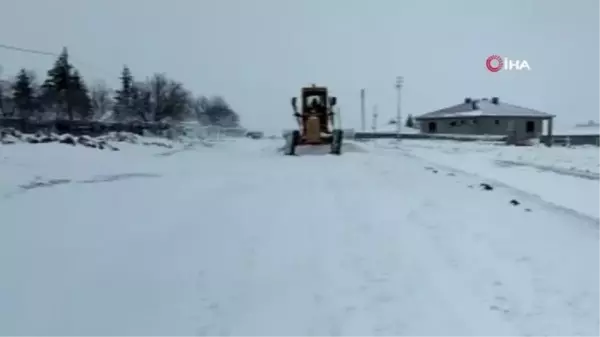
(581, 158)
(237, 239)
(553, 174)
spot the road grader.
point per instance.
(316, 126)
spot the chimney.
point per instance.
(494, 100)
(474, 105)
(467, 100)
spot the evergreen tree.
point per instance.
(79, 96)
(141, 102)
(2, 112)
(123, 98)
(410, 122)
(56, 87)
(23, 96)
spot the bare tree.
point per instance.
(168, 99)
(158, 91)
(178, 102)
(3, 85)
(102, 101)
(141, 101)
(220, 113)
(200, 106)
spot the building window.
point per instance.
(453, 123)
(474, 122)
(462, 122)
(497, 122)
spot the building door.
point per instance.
(432, 127)
(530, 127)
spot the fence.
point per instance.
(393, 135)
(571, 140)
(565, 140)
(215, 133)
(96, 128)
(78, 127)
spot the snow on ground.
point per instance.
(29, 164)
(567, 177)
(579, 159)
(581, 130)
(236, 239)
(392, 128)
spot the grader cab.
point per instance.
(315, 119)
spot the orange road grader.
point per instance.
(315, 122)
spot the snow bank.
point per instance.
(578, 158)
(392, 128)
(554, 174)
(12, 136)
(581, 130)
(42, 160)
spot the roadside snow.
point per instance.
(525, 168)
(25, 164)
(582, 130)
(392, 128)
(581, 158)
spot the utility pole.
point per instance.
(362, 110)
(375, 115)
(399, 83)
(2, 113)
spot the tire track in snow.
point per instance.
(495, 286)
(410, 286)
(546, 168)
(592, 221)
(337, 257)
(460, 287)
(280, 274)
(369, 291)
(509, 249)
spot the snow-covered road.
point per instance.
(238, 240)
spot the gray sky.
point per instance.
(258, 53)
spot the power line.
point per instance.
(25, 50)
(47, 53)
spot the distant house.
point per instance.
(486, 117)
(589, 124)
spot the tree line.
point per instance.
(65, 95)
(409, 122)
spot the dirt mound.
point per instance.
(11, 136)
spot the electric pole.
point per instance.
(399, 83)
(362, 110)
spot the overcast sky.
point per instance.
(258, 53)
